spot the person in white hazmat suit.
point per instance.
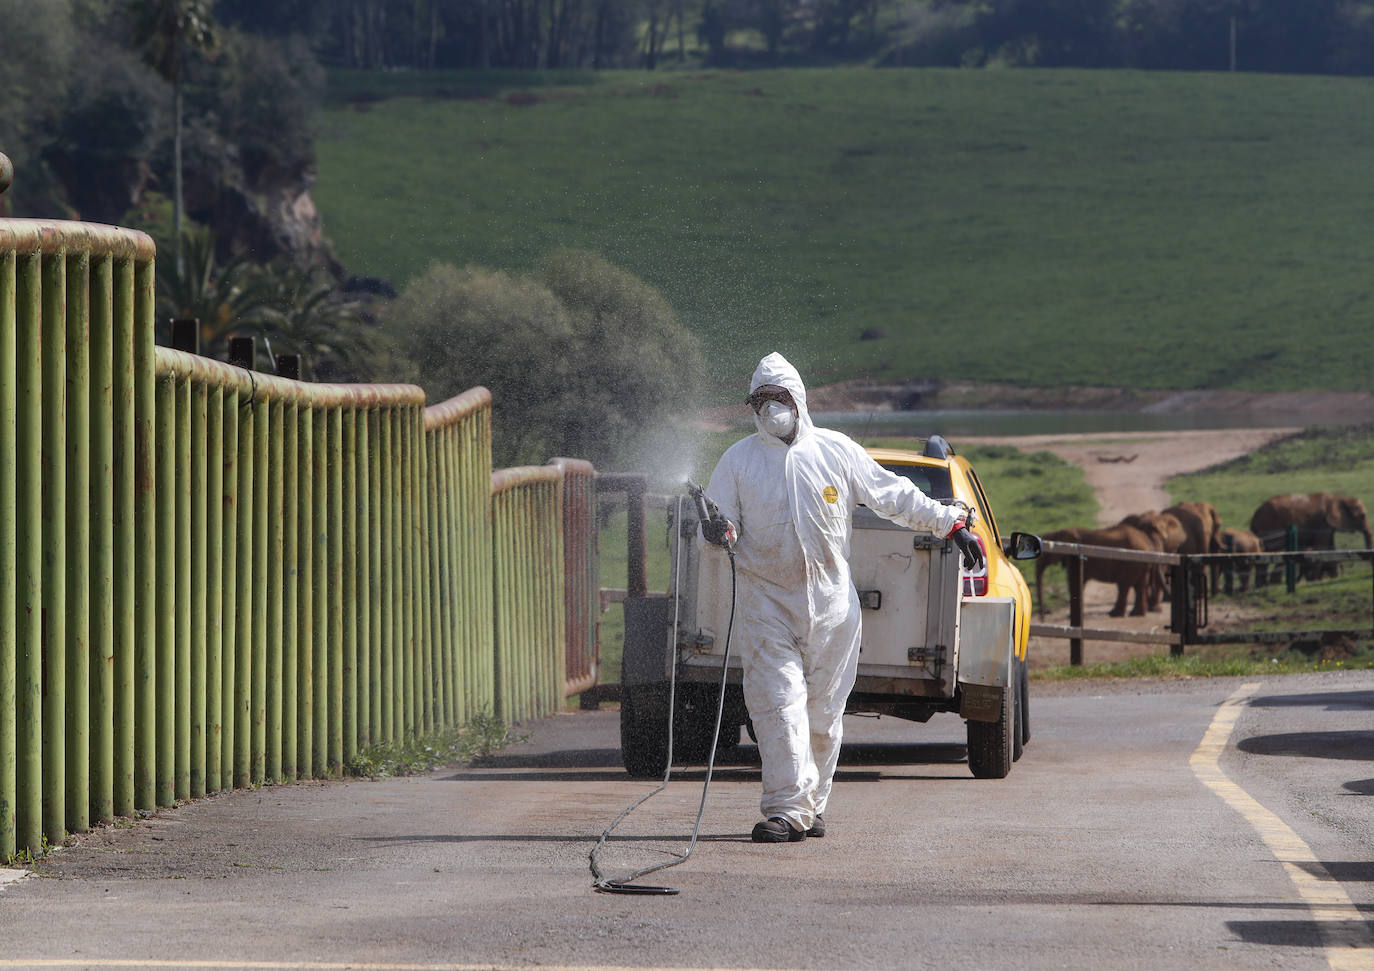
(786, 497)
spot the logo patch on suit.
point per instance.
(831, 494)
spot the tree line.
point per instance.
(1290, 36)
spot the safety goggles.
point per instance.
(768, 392)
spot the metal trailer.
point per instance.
(925, 648)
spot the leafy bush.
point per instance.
(581, 357)
(296, 309)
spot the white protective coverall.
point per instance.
(798, 610)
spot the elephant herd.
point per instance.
(1195, 527)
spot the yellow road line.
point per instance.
(315, 965)
(1349, 943)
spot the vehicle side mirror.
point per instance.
(1022, 546)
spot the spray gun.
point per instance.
(715, 528)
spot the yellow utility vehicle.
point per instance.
(936, 638)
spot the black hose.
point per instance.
(602, 884)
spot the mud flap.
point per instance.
(985, 656)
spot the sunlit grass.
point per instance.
(1241, 664)
(1043, 227)
(1337, 459)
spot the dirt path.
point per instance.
(1127, 471)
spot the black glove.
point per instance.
(973, 553)
(717, 530)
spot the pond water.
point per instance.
(952, 424)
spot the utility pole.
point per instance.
(1233, 43)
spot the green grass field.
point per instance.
(1338, 459)
(1039, 492)
(1160, 230)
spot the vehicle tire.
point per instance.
(1018, 737)
(644, 730)
(1023, 704)
(990, 743)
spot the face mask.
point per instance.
(778, 419)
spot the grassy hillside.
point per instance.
(1338, 460)
(1160, 230)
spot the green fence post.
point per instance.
(101, 629)
(480, 489)
(257, 715)
(440, 566)
(305, 635)
(229, 540)
(200, 405)
(291, 579)
(398, 674)
(181, 656)
(245, 627)
(54, 466)
(366, 576)
(9, 739)
(29, 556)
(164, 663)
(77, 437)
(349, 473)
(319, 544)
(215, 576)
(377, 558)
(405, 546)
(391, 661)
(424, 591)
(126, 570)
(275, 549)
(336, 608)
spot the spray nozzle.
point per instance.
(715, 528)
(706, 509)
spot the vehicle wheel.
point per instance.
(990, 743)
(1022, 732)
(729, 735)
(1023, 705)
(694, 722)
(644, 730)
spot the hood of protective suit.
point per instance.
(776, 369)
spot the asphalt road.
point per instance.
(1207, 824)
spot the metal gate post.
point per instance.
(1290, 567)
(1074, 568)
(1187, 603)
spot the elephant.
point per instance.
(1238, 541)
(1170, 534)
(1318, 516)
(1202, 523)
(1126, 576)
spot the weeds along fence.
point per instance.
(213, 578)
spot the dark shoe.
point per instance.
(817, 829)
(776, 829)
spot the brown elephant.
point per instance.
(1238, 541)
(1202, 523)
(1318, 517)
(1126, 576)
(1171, 535)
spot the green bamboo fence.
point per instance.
(214, 578)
